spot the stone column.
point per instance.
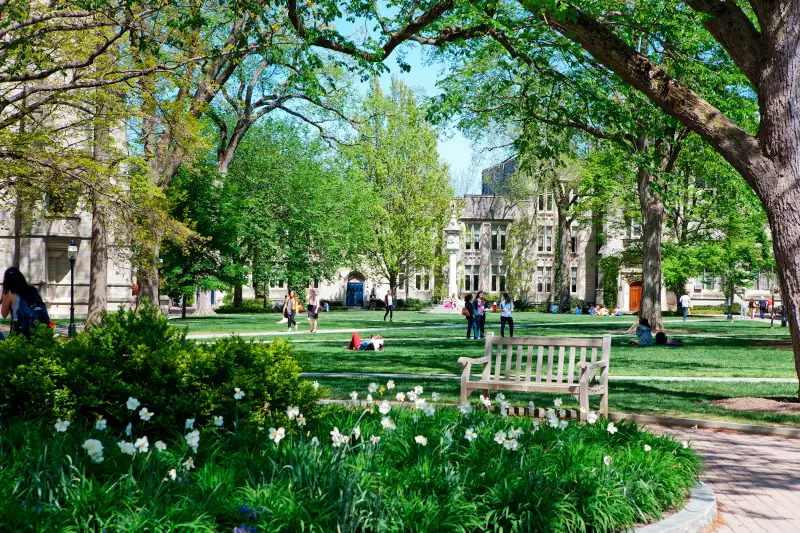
(453, 230)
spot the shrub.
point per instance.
(248, 306)
(412, 304)
(141, 356)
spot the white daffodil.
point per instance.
(514, 433)
(238, 394)
(465, 408)
(61, 425)
(375, 439)
(503, 412)
(144, 414)
(369, 399)
(499, 397)
(173, 474)
(337, 438)
(591, 418)
(685, 444)
(132, 403)
(126, 447)
(400, 397)
(563, 425)
(188, 464)
(511, 444)
(190, 423)
(486, 401)
(301, 421)
(531, 406)
(315, 384)
(277, 435)
(160, 445)
(557, 402)
(535, 425)
(436, 397)
(390, 384)
(292, 412)
(193, 439)
(372, 388)
(419, 403)
(218, 421)
(100, 424)
(142, 445)
(422, 441)
(470, 434)
(354, 396)
(607, 460)
(357, 432)
(412, 396)
(418, 389)
(384, 408)
(504, 404)
(448, 437)
(429, 409)
(647, 448)
(94, 448)
(314, 441)
(388, 424)
(129, 429)
(611, 428)
(500, 437)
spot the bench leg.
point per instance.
(604, 403)
(464, 394)
(583, 402)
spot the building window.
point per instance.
(540, 246)
(498, 237)
(498, 279)
(57, 262)
(471, 275)
(423, 280)
(573, 281)
(474, 236)
(548, 279)
(276, 284)
(315, 284)
(636, 230)
(549, 202)
(401, 281)
(541, 202)
(574, 239)
(545, 202)
(548, 239)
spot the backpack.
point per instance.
(661, 338)
(29, 316)
(465, 312)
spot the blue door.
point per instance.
(355, 294)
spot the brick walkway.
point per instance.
(756, 479)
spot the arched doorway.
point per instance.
(354, 296)
(635, 296)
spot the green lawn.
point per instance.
(713, 347)
(685, 399)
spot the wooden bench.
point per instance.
(543, 364)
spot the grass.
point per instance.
(582, 478)
(685, 399)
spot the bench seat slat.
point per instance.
(531, 387)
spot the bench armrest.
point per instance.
(589, 370)
(473, 360)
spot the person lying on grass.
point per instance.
(375, 343)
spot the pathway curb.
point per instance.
(697, 515)
(707, 424)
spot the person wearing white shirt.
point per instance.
(686, 303)
(389, 301)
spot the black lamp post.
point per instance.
(72, 251)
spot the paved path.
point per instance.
(756, 479)
(389, 375)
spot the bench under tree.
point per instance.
(542, 364)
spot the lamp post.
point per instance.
(72, 251)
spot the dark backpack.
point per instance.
(661, 338)
(29, 316)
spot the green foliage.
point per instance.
(142, 356)
(412, 304)
(248, 306)
(555, 481)
(609, 266)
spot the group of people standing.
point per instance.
(475, 309)
(291, 307)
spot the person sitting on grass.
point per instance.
(644, 334)
(602, 311)
(617, 311)
(594, 311)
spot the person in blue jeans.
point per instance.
(506, 308)
(479, 311)
(470, 316)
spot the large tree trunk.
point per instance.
(147, 278)
(203, 304)
(652, 227)
(98, 269)
(237, 295)
(564, 260)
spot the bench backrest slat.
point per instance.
(562, 366)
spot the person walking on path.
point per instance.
(389, 301)
(762, 307)
(290, 309)
(686, 304)
(313, 310)
(506, 308)
(752, 308)
(479, 311)
(470, 316)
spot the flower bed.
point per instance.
(351, 469)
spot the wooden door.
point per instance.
(636, 298)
